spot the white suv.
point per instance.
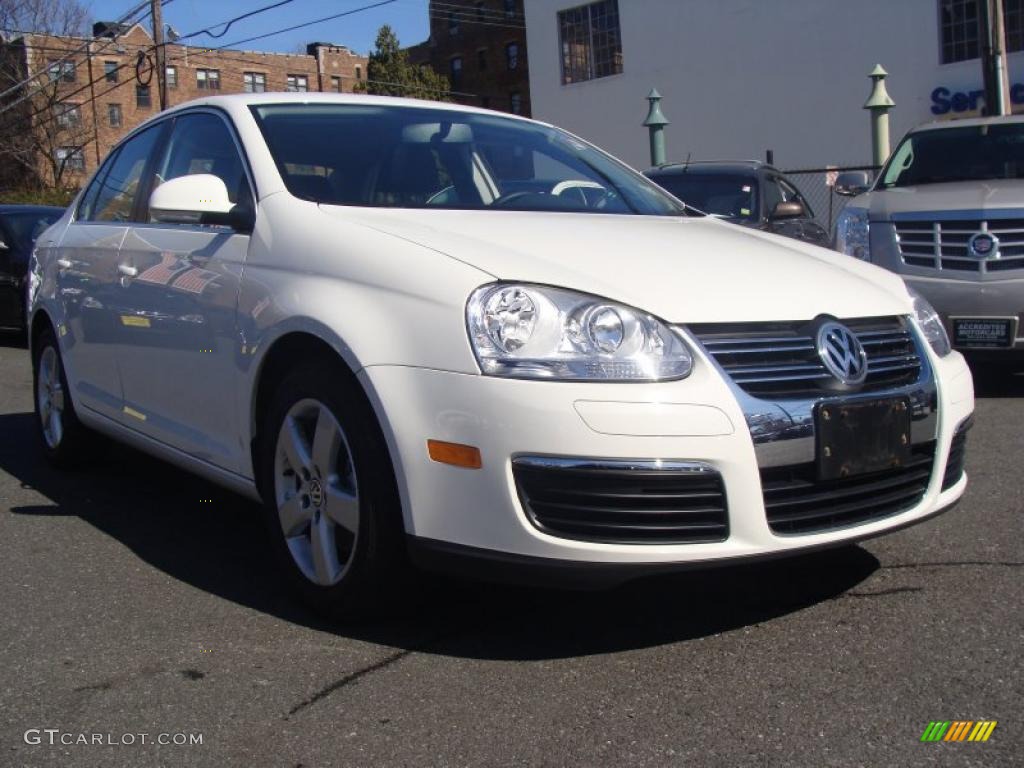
(414, 328)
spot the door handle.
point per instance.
(127, 271)
(64, 263)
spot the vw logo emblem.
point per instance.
(983, 245)
(842, 353)
(316, 493)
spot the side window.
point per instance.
(202, 143)
(116, 188)
(772, 195)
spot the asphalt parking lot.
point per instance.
(136, 599)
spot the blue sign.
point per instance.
(945, 101)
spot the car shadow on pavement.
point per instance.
(998, 381)
(213, 540)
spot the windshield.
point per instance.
(734, 197)
(25, 228)
(957, 154)
(412, 157)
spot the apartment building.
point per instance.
(91, 93)
(480, 46)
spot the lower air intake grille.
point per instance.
(796, 502)
(957, 457)
(639, 502)
(780, 360)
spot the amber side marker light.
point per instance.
(456, 454)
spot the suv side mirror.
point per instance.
(199, 198)
(787, 209)
(852, 183)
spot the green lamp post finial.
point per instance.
(879, 103)
(655, 123)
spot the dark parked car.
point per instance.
(745, 192)
(20, 225)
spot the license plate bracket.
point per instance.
(860, 437)
(983, 332)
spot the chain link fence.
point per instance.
(817, 185)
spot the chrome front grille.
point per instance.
(943, 245)
(780, 360)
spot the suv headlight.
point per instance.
(930, 323)
(536, 332)
(852, 230)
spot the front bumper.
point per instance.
(451, 509)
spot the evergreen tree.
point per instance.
(389, 73)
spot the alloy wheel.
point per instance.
(50, 397)
(316, 492)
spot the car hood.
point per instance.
(680, 269)
(962, 196)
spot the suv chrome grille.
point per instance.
(942, 245)
(779, 360)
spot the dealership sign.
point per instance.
(945, 101)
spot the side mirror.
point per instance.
(200, 198)
(852, 183)
(787, 210)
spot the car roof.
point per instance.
(710, 168)
(18, 208)
(970, 122)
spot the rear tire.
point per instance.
(330, 502)
(64, 438)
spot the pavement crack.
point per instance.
(883, 592)
(387, 661)
(957, 563)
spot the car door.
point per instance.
(89, 280)
(180, 373)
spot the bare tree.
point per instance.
(43, 61)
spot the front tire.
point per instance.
(329, 494)
(64, 438)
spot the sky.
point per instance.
(409, 19)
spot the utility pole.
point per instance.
(993, 57)
(161, 52)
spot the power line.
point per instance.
(308, 23)
(460, 21)
(227, 24)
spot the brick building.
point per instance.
(480, 45)
(108, 86)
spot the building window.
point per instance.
(172, 77)
(481, 59)
(1013, 22)
(62, 70)
(453, 23)
(510, 9)
(254, 82)
(298, 83)
(512, 55)
(208, 79)
(479, 11)
(590, 41)
(114, 115)
(336, 83)
(70, 158)
(960, 30)
(455, 70)
(515, 103)
(359, 73)
(142, 100)
(68, 116)
(110, 69)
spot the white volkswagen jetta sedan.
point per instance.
(419, 329)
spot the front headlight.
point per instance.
(536, 332)
(931, 324)
(852, 231)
